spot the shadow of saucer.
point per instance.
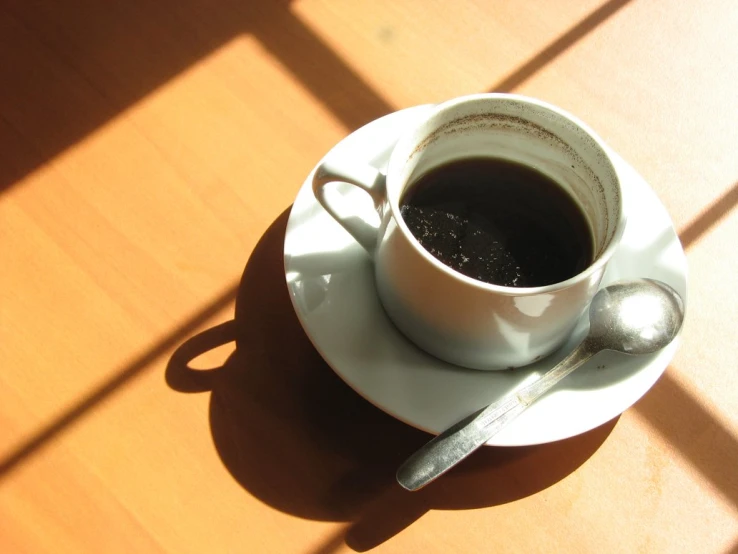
(297, 438)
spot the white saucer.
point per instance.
(331, 284)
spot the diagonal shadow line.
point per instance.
(89, 89)
(322, 71)
(333, 543)
(697, 435)
(710, 217)
(559, 46)
(64, 421)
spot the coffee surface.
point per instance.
(499, 222)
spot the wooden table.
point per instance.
(149, 155)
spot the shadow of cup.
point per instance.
(297, 438)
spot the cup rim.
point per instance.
(583, 275)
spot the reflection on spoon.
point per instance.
(634, 317)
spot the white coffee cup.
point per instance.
(454, 317)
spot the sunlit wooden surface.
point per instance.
(147, 148)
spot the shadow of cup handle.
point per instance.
(183, 378)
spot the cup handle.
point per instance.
(359, 175)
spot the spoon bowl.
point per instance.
(635, 317)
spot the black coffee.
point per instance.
(499, 222)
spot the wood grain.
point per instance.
(149, 154)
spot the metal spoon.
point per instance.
(634, 317)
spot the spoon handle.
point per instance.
(458, 441)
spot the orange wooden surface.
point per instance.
(149, 154)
